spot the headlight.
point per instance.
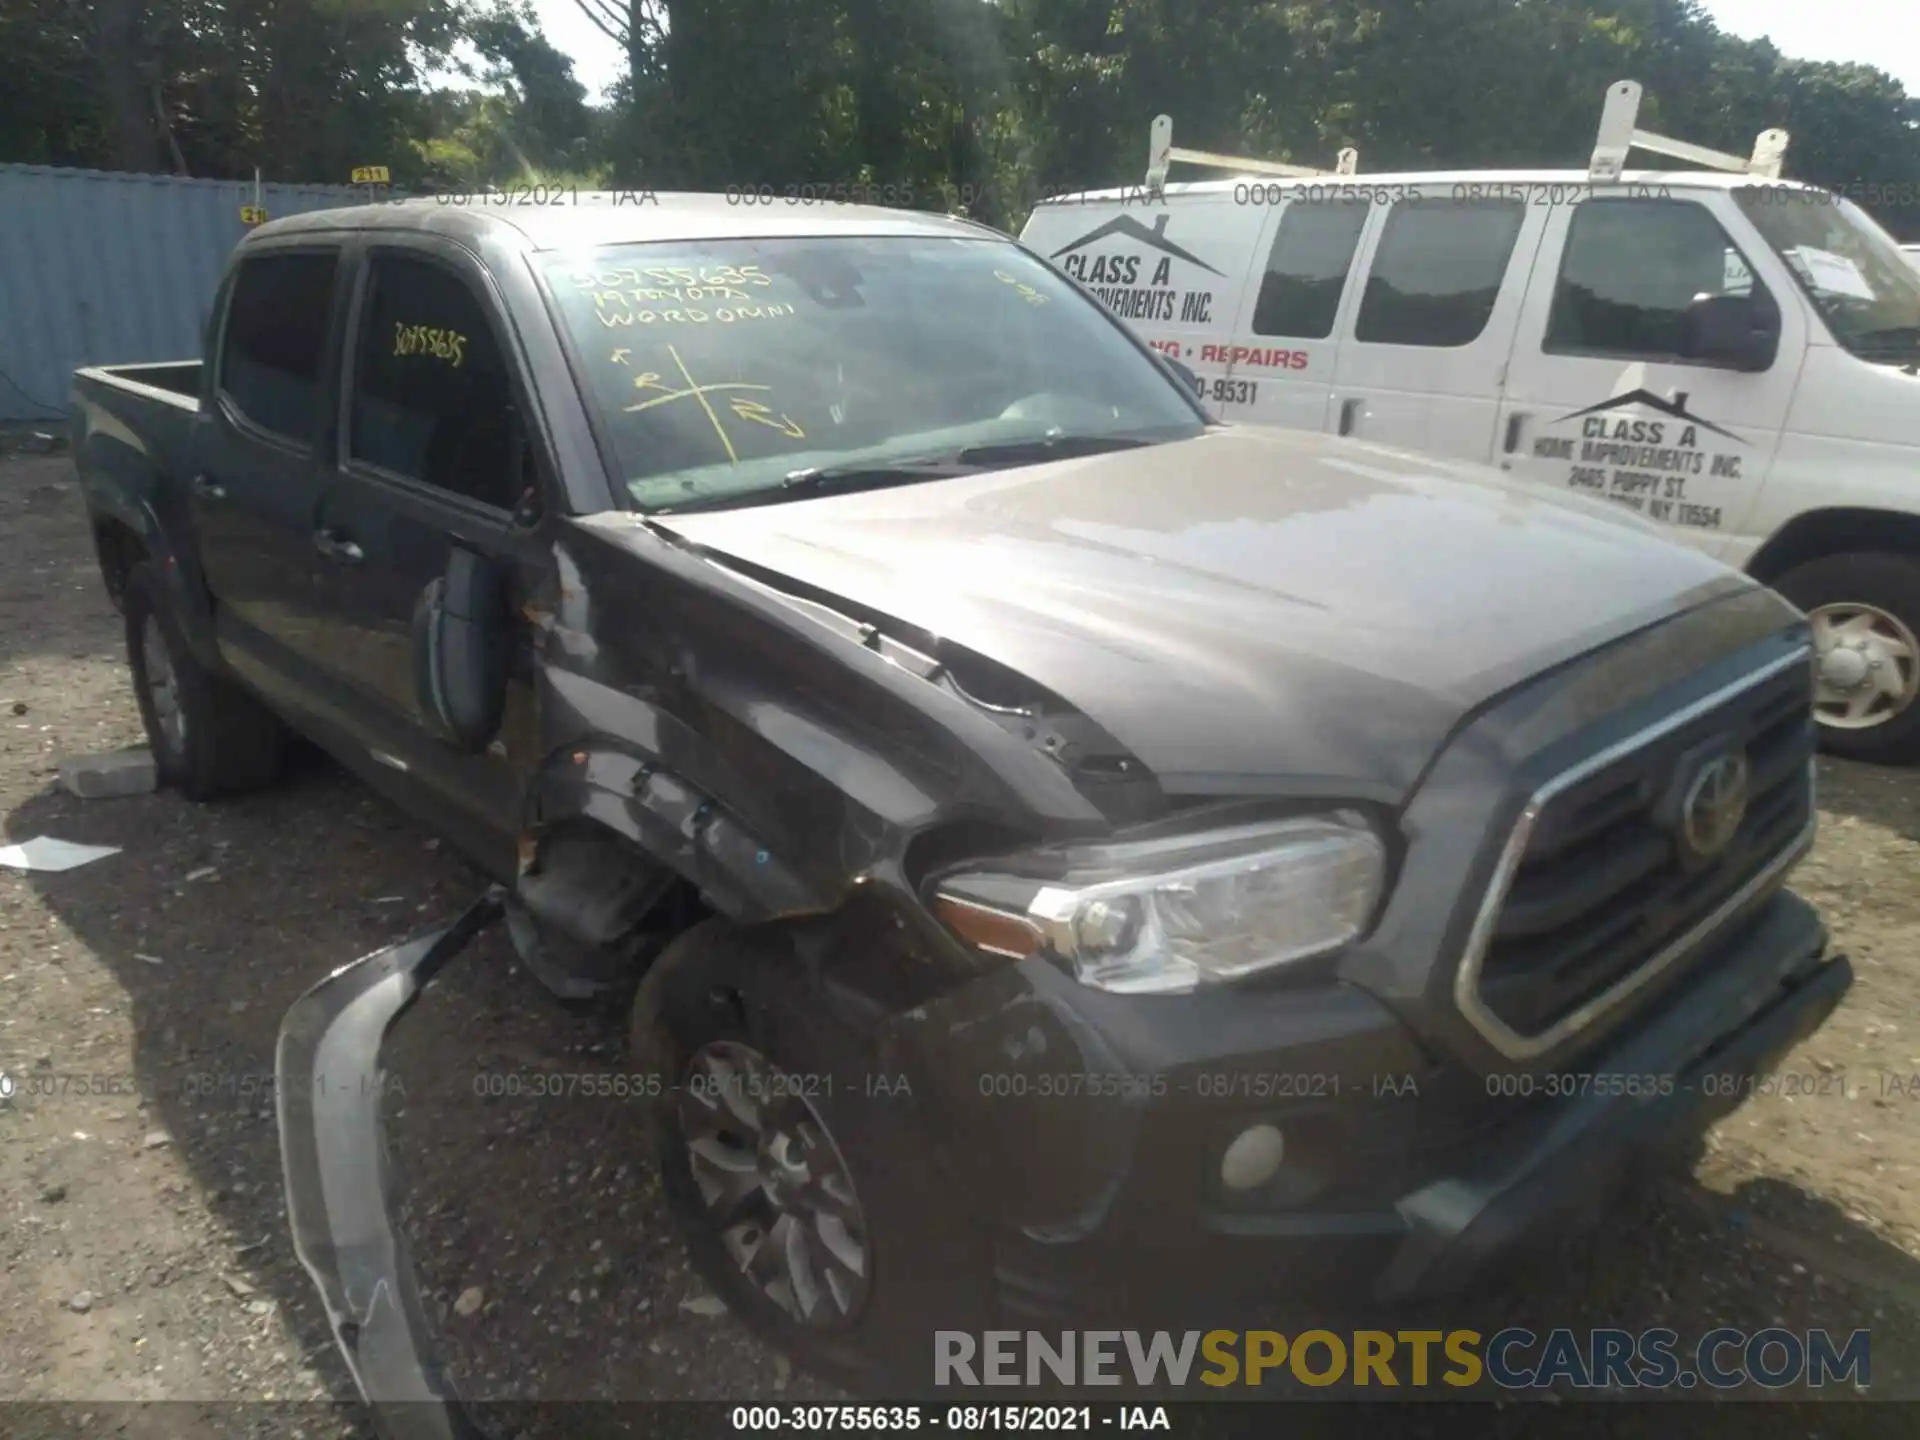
(1168, 915)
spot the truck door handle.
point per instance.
(335, 546)
(1516, 422)
(1349, 409)
(208, 489)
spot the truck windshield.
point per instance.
(1853, 271)
(740, 371)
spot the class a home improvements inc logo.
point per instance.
(1665, 465)
(1676, 408)
(1114, 279)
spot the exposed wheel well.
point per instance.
(120, 548)
(1834, 532)
(601, 886)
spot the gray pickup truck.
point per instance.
(1251, 861)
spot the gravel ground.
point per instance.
(143, 1251)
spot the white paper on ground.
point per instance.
(43, 852)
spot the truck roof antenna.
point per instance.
(1618, 135)
(1162, 152)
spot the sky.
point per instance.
(1885, 33)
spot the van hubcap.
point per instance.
(163, 686)
(776, 1187)
(1867, 666)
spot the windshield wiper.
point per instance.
(819, 479)
(1889, 343)
(1049, 447)
(877, 475)
(963, 461)
(825, 479)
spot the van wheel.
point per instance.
(208, 737)
(815, 1211)
(1865, 611)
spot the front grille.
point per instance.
(1599, 893)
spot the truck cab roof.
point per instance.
(614, 217)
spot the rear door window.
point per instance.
(1438, 271)
(1307, 268)
(276, 340)
(431, 391)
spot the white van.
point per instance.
(1734, 356)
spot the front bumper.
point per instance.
(1558, 1178)
(340, 1190)
(1452, 1212)
(1542, 1175)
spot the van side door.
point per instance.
(1173, 268)
(1600, 399)
(1284, 352)
(1424, 362)
(254, 487)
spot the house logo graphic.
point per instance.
(1676, 407)
(1131, 228)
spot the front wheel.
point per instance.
(1865, 613)
(812, 1207)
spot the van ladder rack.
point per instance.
(1162, 152)
(1619, 134)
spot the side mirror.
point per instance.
(1181, 371)
(460, 651)
(1737, 332)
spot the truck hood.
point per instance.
(1246, 610)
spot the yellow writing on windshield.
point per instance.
(447, 345)
(670, 276)
(742, 407)
(675, 295)
(692, 315)
(1025, 291)
(754, 410)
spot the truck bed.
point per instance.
(132, 430)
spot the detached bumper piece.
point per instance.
(339, 1187)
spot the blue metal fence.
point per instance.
(99, 268)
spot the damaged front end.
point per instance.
(340, 1191)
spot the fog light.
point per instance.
(1253, 1158)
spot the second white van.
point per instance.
(1734, 356)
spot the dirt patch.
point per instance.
(143, 1247)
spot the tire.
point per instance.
(208, 737)
(1844, 586)
(926, 1266)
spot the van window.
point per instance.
(276, 335)
(1846, 264)
(1307, 269)
(1630, 270)
(430, 388)
(1438, 271)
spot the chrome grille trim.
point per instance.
(1466, 982)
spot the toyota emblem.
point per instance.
(1715, 804)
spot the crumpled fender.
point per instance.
(340, 1191)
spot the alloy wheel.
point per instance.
(776, 1187)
